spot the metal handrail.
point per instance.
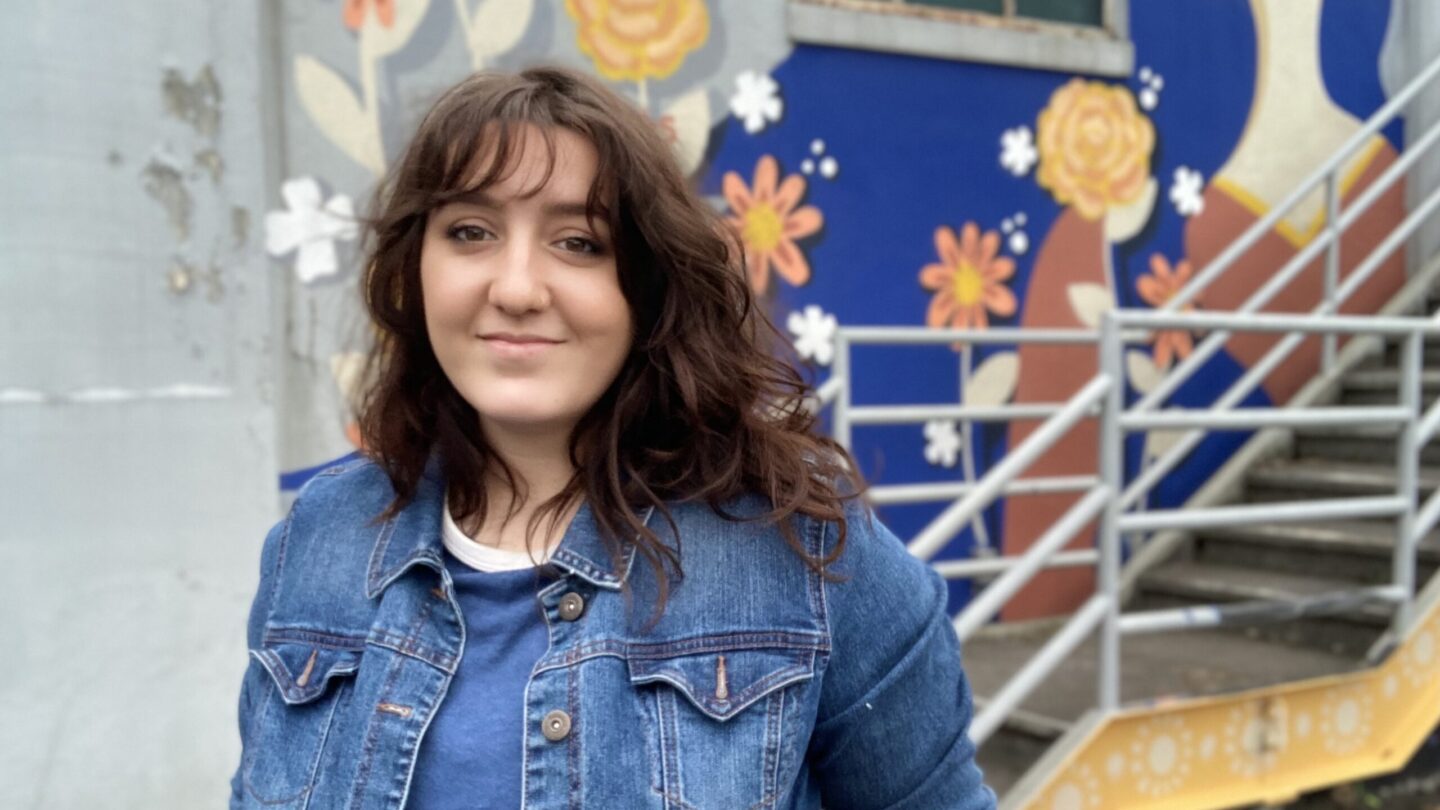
(1212, 343)
(1105, 394)
(1326, 172)
(1411, 522)
(1256, 375)
(944, 527)
(984, 607)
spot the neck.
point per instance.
(540, 460)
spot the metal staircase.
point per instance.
(1276, 562)
(1278, 633)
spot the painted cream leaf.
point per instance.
(333, 107)
(1125, 221)
(1159, 442)
(1144, 375)
(496, 27)
(1089, 302)
(690, 118)
(993, 383)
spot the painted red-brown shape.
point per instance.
(1072, 253)
(1225, 219)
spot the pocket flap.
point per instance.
(723, 683)
(302, 669)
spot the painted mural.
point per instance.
(885, 189)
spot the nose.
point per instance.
(519, 286)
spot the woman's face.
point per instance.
(522, 296)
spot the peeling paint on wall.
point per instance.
(197, 102)
(210, 161)
(240, 225)
(165, 184)
(181, 277)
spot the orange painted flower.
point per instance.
(969, 281)
(355, 11)
(1094, 146)
(769, 218)
(1156, 289)
(638, 39)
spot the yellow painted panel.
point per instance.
(1264, 745)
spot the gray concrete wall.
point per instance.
(137, 449)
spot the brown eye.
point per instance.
(579, 244)
(468, 233)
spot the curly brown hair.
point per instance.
(704, 408)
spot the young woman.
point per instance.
(595, 555)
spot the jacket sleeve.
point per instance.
(272, 554)
(892, 730)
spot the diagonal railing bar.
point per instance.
(984, 607)
(1251, 379)
(1256, 232)
(944, 527)
(1213, 343)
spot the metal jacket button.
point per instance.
(555, 726)
(571, 606)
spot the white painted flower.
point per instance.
(1019, 243)
(829, 167)
(1161, 756)
(1151, 85)
(814, 332)
(1185, 191)
(1017, 150)
(755, 101)
(1346, 718)
(942, 442)
(311, 224)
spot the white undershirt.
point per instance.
(480, 556)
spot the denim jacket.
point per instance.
(761, 686)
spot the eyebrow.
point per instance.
(558, 209)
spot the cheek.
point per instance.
(444, 294)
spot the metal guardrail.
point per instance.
(1110, 494)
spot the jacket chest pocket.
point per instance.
(725, 725)
(308, 683)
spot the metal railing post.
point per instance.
(1330, 340)
(840, 416)
(1407, 476)
(1112, 476)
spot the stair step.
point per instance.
(1371, 443)
(1154, 667)
(1391, 356)
(1380, 386)
(1183, 583)
(1357, 550)
(1388, 379)
(1311, 478)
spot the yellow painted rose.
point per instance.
(1094, 147)
(639, 39)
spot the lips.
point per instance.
(518, 347)
(511, 337)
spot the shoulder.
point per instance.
(321, 552)
(884, 602)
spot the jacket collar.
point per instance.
(413, 538)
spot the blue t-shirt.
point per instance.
(470, 757)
